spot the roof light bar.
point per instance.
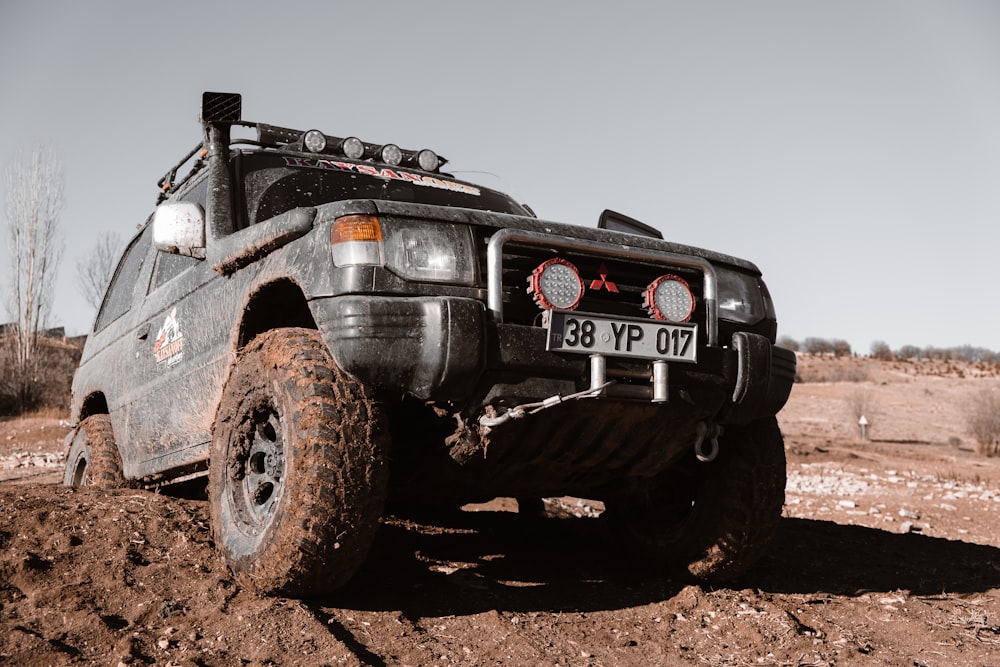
(314, 141)
(428, 160)
(391, 154)
(353, 148)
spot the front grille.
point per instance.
(629, 276)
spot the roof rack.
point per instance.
(225, 109)
(169, 181)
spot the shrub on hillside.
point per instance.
(881, 351)
(46, 385)
(983, 421)
(818, 346)
(861, 403)
(837, 347)
(788, 343)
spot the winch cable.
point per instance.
(521, 411)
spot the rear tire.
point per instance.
(93, 458)
(713, 520)
(298, 473)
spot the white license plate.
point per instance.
(585, 333)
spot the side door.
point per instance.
(108, 368)
(181, 340)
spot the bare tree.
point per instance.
(34, 199)
(95, 269)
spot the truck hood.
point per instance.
(502, 220)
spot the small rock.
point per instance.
(846, 504)
(906, 527)
(908, 514)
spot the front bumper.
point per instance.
(448, 349)
(431, 347)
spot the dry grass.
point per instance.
(916, 401)
(827, 368)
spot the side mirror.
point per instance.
(179, 228)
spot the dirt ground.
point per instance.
(889, 553)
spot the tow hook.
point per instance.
(710, 432)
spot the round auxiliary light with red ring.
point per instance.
(556, 284)
(669, 298)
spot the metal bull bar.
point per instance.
(494, 267)
(494, 270)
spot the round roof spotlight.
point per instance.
(314, 141)
(428, 160)
(390, 154)
(669, 298)
(353, 148)
(556, 283)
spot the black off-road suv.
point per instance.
(322, 326)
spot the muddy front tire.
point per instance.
(93, 458)
(713, 520)
(298, 476)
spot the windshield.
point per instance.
(273, 184)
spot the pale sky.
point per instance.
(851, 149)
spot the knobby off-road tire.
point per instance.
(93, 458)
(715, 519)
(298, 472)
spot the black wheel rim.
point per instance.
(81, 466)
(257, 472)
(81, 476)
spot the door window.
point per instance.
(118, 299)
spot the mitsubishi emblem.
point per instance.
(603, 281)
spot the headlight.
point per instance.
(669, 298)
(556, 283)
(428, 252)
(742, 297)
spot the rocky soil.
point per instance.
(889, 553)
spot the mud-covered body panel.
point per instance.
(158, 369)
